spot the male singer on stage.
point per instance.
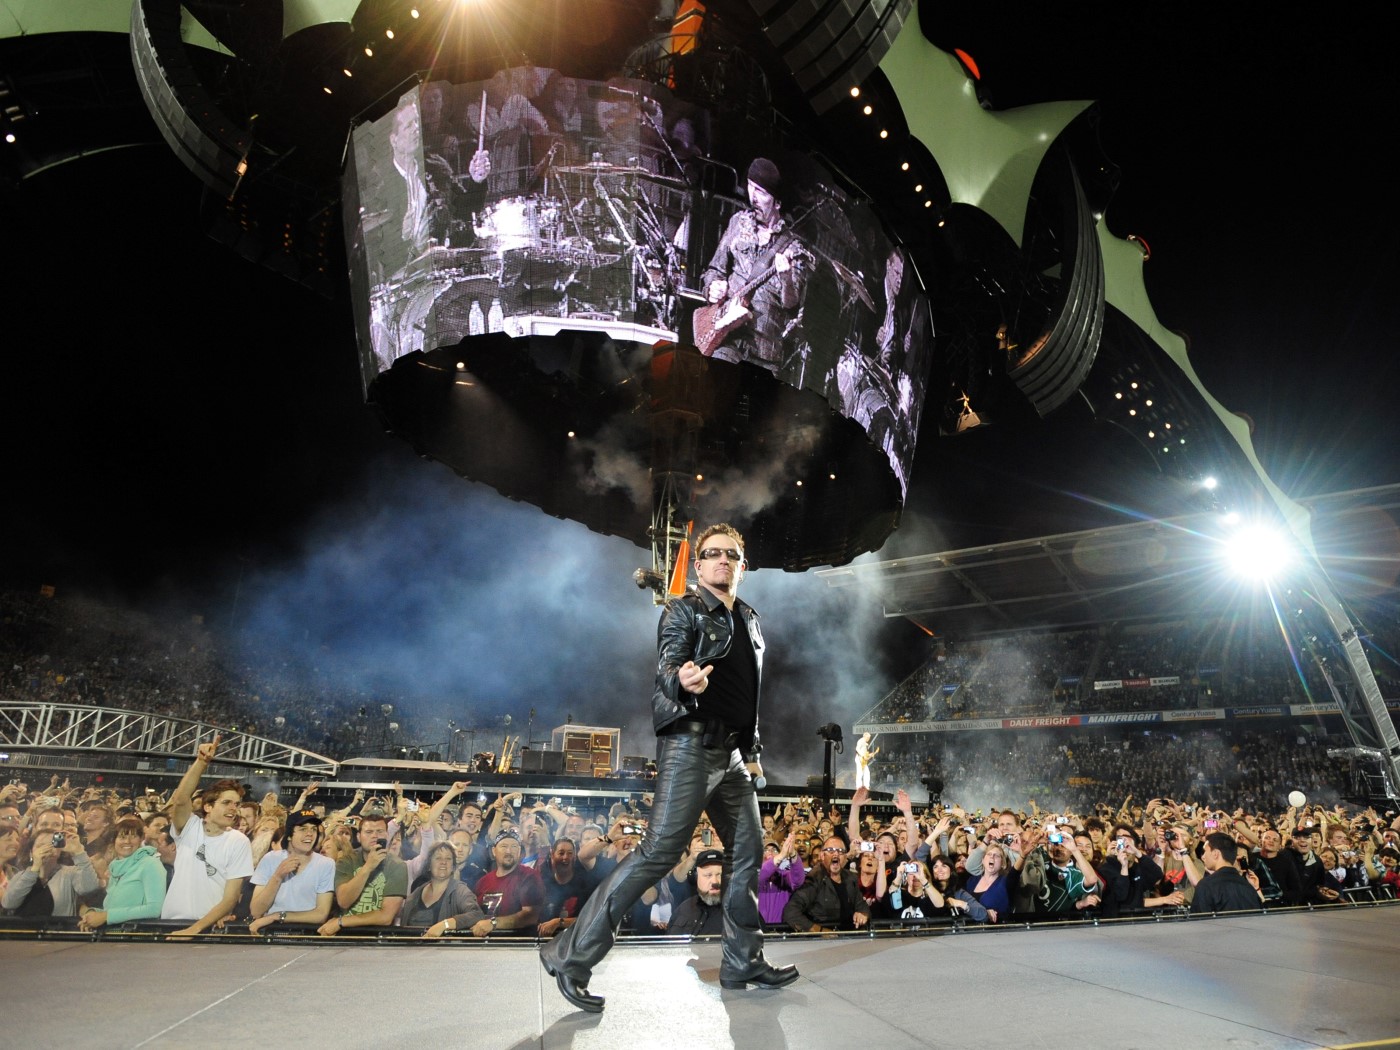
(705, 711)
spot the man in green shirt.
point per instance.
(371, 883)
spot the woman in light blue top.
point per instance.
(135, 880)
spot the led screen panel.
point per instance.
(534, 203)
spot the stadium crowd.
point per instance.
(1141, 819)
(71, 649)
(209, 859)
(1119, 668)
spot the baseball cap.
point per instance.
(709, 856)
(300, 817)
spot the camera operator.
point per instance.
(1131, 878)
(1062, 878)
(58, 872)
(370, 882)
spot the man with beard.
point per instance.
(509, 893)
(705, 712)
(830, 899)
(701, 915)
(295, 884)
(566, 888)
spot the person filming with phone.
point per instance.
(370, 882)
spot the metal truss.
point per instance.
(69, 727)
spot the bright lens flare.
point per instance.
(1258, 552)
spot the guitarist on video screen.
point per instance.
(755, 280)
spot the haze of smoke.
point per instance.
(609, 460)
(467, 606)
(741, 494)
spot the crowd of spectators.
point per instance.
(1253, 768)
(208, 860)
(72, 649)
(1218, 663)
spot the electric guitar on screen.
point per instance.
(713, 322)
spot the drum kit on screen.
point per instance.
(620, 219)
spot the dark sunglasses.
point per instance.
(714, 552)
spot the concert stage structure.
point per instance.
(640, 262)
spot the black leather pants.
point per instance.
(690, 778)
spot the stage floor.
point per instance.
(1319, 979)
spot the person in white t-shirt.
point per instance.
(295, 884)
(211, 859)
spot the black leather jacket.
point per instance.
(696, 627)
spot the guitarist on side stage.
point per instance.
(865, 757)
(756, 240)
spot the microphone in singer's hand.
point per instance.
(760, 782)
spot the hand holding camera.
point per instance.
(375, 852)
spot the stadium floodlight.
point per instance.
(1209, 483)
(1258, 552)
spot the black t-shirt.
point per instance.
(564, 899)
(732, 695)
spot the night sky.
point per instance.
(184, 429)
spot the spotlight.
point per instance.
(855, 92)
(1258, 552)
(1210, 483)
(868, 110)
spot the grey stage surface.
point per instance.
(1323, 979)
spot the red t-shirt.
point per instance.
(507, 894)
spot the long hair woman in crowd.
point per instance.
(135, 880)
(995, 887)
(947, 894)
